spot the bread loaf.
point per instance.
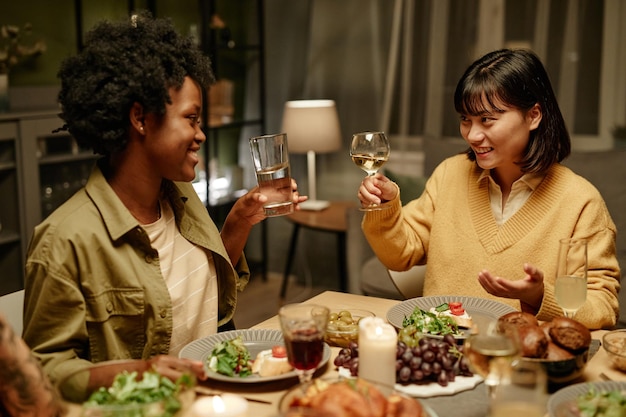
(570, 334)
(516, 319)
(533, 341)
(559, 339)
(557, 353)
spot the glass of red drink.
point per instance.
(304, 328)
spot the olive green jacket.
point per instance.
(94, 289)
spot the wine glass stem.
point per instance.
(491, 389)
(305, 376)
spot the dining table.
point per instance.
(264, 398)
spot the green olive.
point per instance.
(347, 327)
(345, 313)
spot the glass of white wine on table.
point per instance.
(491, 353)
(369, 151)
(570, 286)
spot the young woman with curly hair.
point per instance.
(132, 266)
(489, 222)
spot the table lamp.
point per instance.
(312, 126)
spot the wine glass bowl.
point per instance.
(304, 329)
(570, 286)
(369, 151)
(490, 354)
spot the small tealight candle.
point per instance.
(377, 351)
(225, 405)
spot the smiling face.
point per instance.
(499, 136)
(176, 136)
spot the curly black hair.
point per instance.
(133, 61)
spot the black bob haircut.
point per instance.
(132, 61)
(518, 79)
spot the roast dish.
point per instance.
(353, 397)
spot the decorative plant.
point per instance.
(12, 50)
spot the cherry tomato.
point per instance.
(456, 308)
(279, 352)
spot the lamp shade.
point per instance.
(312, 125)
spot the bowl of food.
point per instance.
(350, 397)
(602, 398)
(614, 343)
(343, 326)
(561, 346)
(127, 388)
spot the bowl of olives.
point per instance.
(343, 326)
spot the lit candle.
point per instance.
(377, 351)
(225, 405)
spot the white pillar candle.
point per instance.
(377, 351)
(225, 405)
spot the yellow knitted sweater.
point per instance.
(451, 228)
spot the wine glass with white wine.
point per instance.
(490, 354)
(570, 287)
(369, 151)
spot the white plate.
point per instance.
(431, 389)
(481, 310)
(569, 394)
(254, 340)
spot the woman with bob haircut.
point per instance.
(489, 221)
(132, 266)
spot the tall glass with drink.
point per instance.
(304, 328)
(271, 165)
(570, 287)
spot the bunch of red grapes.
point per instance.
(430, 360)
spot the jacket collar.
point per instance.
(117, 218)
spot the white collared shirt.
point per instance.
(521, 190)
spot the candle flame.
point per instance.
(378, 331)
(218, 404)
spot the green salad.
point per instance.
(602, 404)
(152, 388)
(427, 322)
(231, 358)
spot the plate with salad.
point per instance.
(589, 399)
(228, 356)
(433, 315)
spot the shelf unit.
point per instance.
(41, 170)
(10, 220)
(232, 35)
(237, 53)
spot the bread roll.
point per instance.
(557, 353)
(516, 319)
(570, 334)
(533, 341)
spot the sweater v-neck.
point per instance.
(494, 238)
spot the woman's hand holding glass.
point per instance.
(375, 190)
(369, 151)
